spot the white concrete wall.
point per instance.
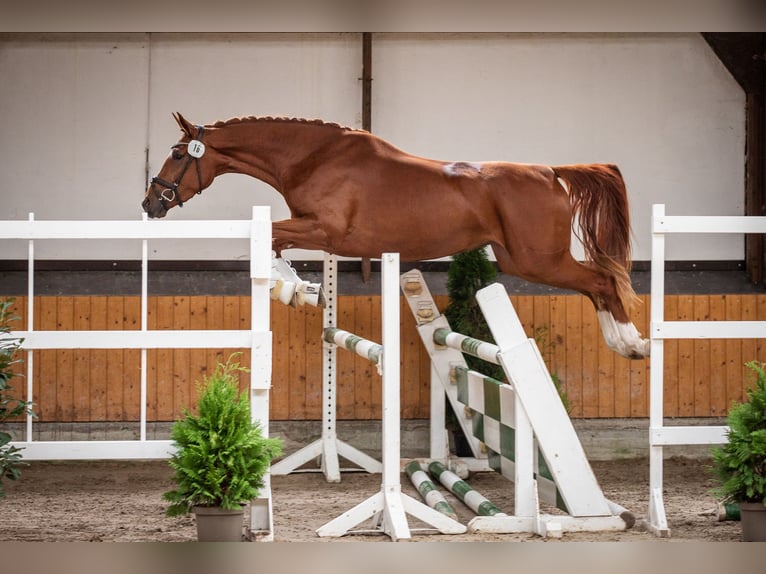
(78, 113)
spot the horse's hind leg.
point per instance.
(618, 330)
(565, 272)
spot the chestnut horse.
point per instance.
(352, 194)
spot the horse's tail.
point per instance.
(598, 196)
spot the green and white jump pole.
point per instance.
(427, 490)
(474, 500)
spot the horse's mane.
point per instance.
(254, 119)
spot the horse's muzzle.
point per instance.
(153, 207)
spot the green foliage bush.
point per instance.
(222, 456)
(740, 464)
(468, 272)
(10, 406)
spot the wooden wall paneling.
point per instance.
(297, 373)
(245, 356)
(543, 334)
(525, 309)
(622, 386)
(366, 390)
(314, 346)
(410, 345)
(279, 399)
(345, 400)
(197, 357)
(761, 316)
(374, 379)
(605, 377)
(702, 378)
(631, 375)
(115, 361)
(19, 383)
(734, 360)
(45, 361)
(717, 380)
(749, 346)
(131, 377)
(164, 362)
(574, 350)
(98, 366)
(591, 339)
(686, 360)
(671, 400)
(639, 368)
(557, 337)
(232, 320)
(702, 350)
(213, 321)
(152, 391)
(64, 362)
(183, 396)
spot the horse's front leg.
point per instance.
(300, 233)
(287, 286)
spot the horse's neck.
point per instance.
(269, 151)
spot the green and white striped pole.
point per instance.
(475, 501)
(362, 347)
(427, 490)
(469, 345)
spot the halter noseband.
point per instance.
(195, 150)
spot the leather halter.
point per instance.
(173, 187)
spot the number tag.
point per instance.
(196, 149)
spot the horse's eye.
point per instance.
(177, 153)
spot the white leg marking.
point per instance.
(611, 332)
(632, 339)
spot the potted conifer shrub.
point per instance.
(221, 457)
(740, 464)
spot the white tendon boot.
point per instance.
(290, 289)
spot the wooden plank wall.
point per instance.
(702, 378)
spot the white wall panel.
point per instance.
(662, 107)
(73, 111)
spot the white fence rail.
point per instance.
(258, 338)
(661, 330)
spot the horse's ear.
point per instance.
(184, 124)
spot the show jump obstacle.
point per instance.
(387, 508)
(661, 330)
(523, 425)
(257, 338)
(328, 448)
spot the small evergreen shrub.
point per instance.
(467, 273)
(222, 456)
(740, 464)
(10, 406)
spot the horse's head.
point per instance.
(186, 171)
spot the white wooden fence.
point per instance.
(659, 434)
(257, 230)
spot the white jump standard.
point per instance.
(328, 448)
(388, 508)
